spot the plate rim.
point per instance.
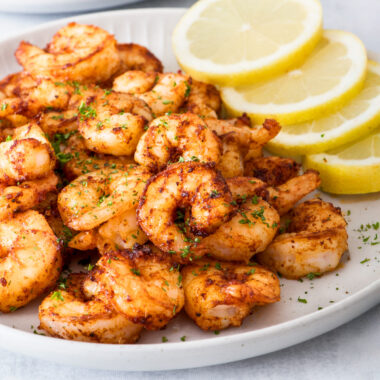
(363, 300)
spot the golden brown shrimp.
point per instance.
(250, 231)
(283, 197)
(141, 284)
(94, 198)
(30, 260)
(62, 122)
(27, 155)
(274, 171)
(135, 82)
(219, 295)
(137, 57)
(25, 195)
(113, 123)
(231, 162)
(190, 185)
(315, 241)
(168, 94)
(83, 53)
(67, 313)
(174, 136)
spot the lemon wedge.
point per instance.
(351, 169)
(356, 119)
(231, 42)
(331, 76)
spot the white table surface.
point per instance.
(349, 352)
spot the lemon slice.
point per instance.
(356, 119)
(231, 42)
(351, 169)
(332, 75)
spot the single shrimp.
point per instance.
(219, 295)
(168, 94)
(67, 313)
(274, 171)
(250, 231)
(135, 82)
(193, 186)
(315, 241)
(83, 53)
(113, 123)
(141, 284)
(174, 136)
(30, 259)
(25, 195)
(84, 240)
(27, 155)
(283, 197)
(94, 198)
(231, 163)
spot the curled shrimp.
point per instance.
(30, 259)
(282, 197)
(25, 195)
(27, 155)
(315, 241)
(174, 136)
(67, 313)
(113, 123)
(250, 231)
(219, 295)
(274, 171)
(94, 198)
(135, 82)
(140, 284)
(193, 186)
(137, 57)
(83, 53)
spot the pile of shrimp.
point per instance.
(105, 156)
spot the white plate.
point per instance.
(343, 294)
(59, 6)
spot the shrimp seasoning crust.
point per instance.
(109, 162)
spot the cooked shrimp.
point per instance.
(137, 57)
(25, 196)
(83, 53)
(66, 313)
(168, 94)
(26, 156)
(174, 136)
(250, 231)
(315, 241)
(94, 198)
(203, 100)
(114, 123)
(283, 197)
(194, 186)
(135, 82)
(84, 240)
(231, 162)
(219, 295)
(141, 284)
(62, 122)
(30, 260)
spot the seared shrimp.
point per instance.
(77, 52)
(27, 155)
(315, 241)
(135, 82)
(231, 162)
(168, 94)
(190, 185)
(274, 171)
(283, 197)
(219, 295)
(113, 123)
(30, 260)
(141, 284)
(66, 313)
(174, 136)
(25, 196)
(137, 57)
(250, 231)
(94, 198)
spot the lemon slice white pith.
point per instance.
(230, 42)
(331, 76)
